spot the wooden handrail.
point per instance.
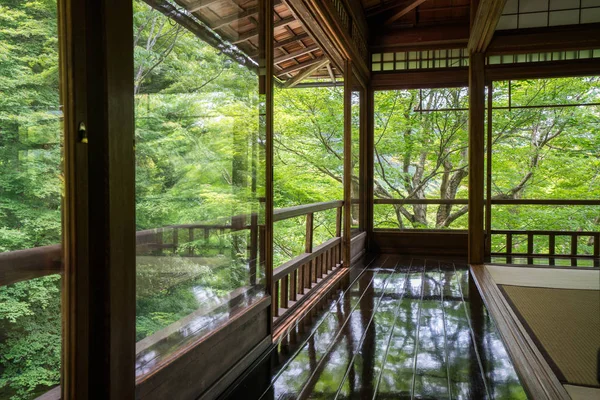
(297, 211)
(540, 202)
(543, 233)
(20, 265)
(27, 264)
(295, 263)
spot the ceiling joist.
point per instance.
(405, 10)
(487, 17)
(300, 66)
(199, 4)
(297, 53)
(254, 32)
(302, 75)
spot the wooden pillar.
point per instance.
(347, 161)
(488, 183)
(96, 55)
(369, 166)
(266, 124)
(476, 156)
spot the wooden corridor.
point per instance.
(398, 328)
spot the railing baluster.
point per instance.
(338, 222)
(596, 250)
(530, 247)
(222, 241)
(253, 247)
(175, 240)
(508, 248)
(275, 299)
(294, 286)
(551, 248)
(574, 238)
(190, 240)
(206, 241)
(308, 245)
(285, 291)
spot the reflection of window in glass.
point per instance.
(308, 163)
(356, 194)
(199, 187)
(421, 155)
(31, 187)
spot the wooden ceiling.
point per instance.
(296, 54)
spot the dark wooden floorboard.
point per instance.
(399, 328)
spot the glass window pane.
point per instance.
(421, 155)
(199, 186)
(31, 189)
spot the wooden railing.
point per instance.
(311, 267)
(293, 280)
(552, 253)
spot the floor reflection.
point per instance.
(398, 329)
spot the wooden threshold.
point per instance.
(537, 377)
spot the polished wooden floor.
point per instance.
(398, 328)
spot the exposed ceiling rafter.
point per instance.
(302, 75)
(405, 10)
(486, 18)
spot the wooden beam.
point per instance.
(305, 74)
(476, 157)
(535, 40)
(347, 163)
(484, 24)
(303, 65)
(404, 11)
(330, 72)
(199, 4)
(424, 79)
(381, 8)
(538, 70)
(448, 36)
(254, 32)
(291, 40)
(251, 11)
(296, 53)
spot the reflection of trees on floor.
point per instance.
(403, 329)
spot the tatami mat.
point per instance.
(565, 323)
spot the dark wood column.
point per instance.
(99, 286)
(347, 160)
(476, 156)
(266, 125)
(369, 167)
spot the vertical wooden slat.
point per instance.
(160, 239)
(530, 247)
(221, 241)
(253, 247)
(476, 157)
(285, 291)
(308, 244)
(574, 249)
(294, 286)
(551, 248)
(191, 239)
(509, 248)
(302, 279)
(206, 242)
(597, 250)
(175, 240)
(275, 299)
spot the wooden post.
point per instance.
(369, 166)
(96, 67)
(476, 157)
(488, 185)
(308, 245)
(191, 239)
(266, 117)
(347, 161)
